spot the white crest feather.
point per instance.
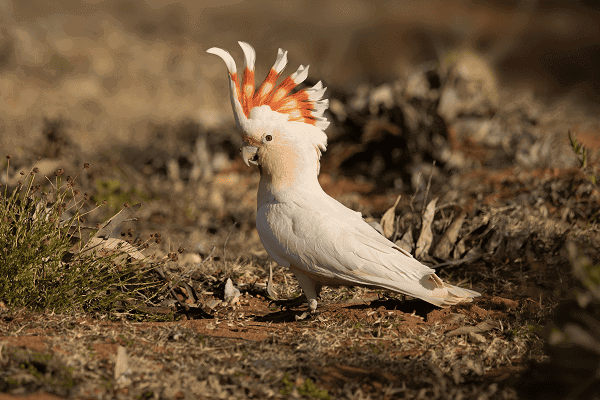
(304, 106)
(224, 54)
(249, 55)
(300, 75)
(281, 61)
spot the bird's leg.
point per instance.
(309, 287)
(311, 291)
(289, 303)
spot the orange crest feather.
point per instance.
(305, 105)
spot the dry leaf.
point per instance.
(122, 365)
(486, 325)
(388, 220)
(407, 242)
(461, 246)
(301, 317)
(495, 240)
(444, 247)
(472, 255)
(454, 318)
(231, 292)
(426, 237)
(213, 303)
(476, 337)
(80, 234)
(109, 226)
(113, 244)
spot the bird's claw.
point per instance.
(303, 316)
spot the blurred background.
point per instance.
(112, 70)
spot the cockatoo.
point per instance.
(300, 226)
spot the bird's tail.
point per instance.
(443, 294)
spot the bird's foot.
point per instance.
(303, 316)
(290, 303)
(312, 311)
(312, 306)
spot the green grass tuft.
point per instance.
(308, 388)
(42, 265)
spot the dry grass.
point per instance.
(363, 344)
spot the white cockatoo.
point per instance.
(300, 226)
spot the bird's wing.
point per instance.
(337, 250)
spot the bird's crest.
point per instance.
(305, 105)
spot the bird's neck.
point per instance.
(279, 177)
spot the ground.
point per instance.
(362, 343)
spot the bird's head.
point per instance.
(282, 132)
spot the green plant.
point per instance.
(45, 261)
(288, 385)
(579, 149)
(113, 192)
(42, 368)
(582, 156)
(374, 348)
(308, 388)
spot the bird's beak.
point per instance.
(250, 155)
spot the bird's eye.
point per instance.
(268, 138)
